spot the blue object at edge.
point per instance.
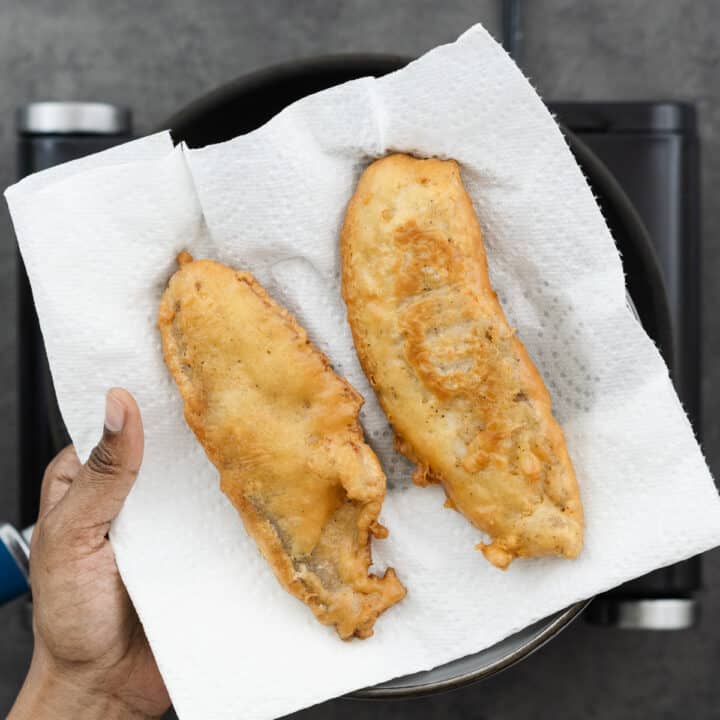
(12, 579)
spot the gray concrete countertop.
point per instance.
(155, 57)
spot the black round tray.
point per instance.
(250, 101)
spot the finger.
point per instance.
(98, 492)
(56, 481)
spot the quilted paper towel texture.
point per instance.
(99, 244)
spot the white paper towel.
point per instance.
(99, 240)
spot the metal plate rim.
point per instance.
(547, 633)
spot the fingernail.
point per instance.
(114, 413)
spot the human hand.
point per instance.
(91, 657)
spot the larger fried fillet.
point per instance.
(281, 427)
(465, 400)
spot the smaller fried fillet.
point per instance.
(281, 427)
(465, 400)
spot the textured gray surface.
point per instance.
(156, 57)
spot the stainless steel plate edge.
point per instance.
(452, 675)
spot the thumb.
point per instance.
(99, 490)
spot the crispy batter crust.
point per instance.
(465, 400)
(281, 427)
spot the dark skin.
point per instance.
(91, 658)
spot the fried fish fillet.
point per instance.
(281, 427)
(465, 400)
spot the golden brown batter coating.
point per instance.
(281, 427)
(465, 400)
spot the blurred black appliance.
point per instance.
(652, 149)
(648, 150)
(48, 134)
